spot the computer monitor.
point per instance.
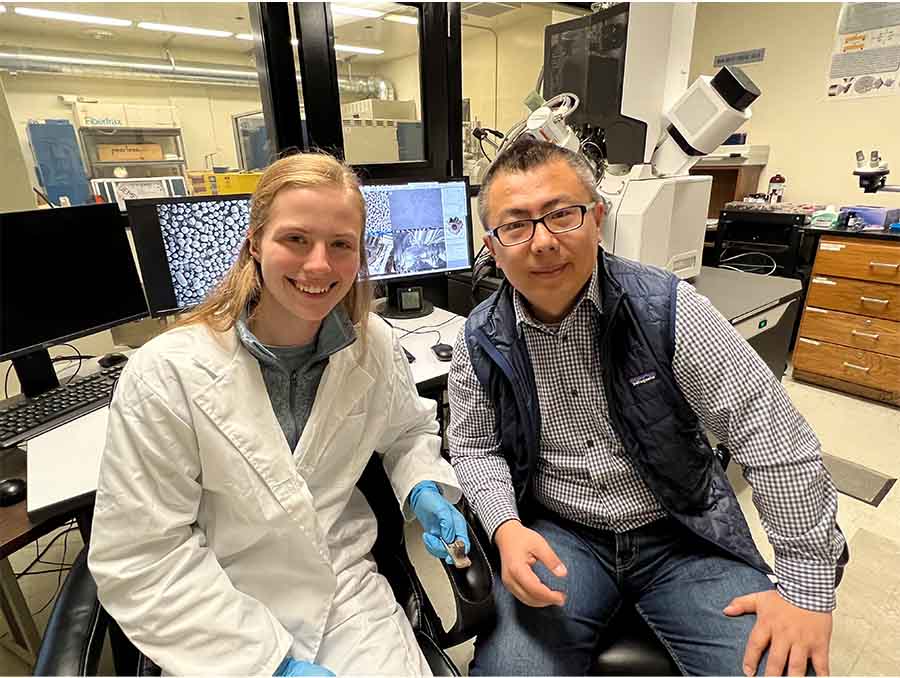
(186, 245)
(64, 273)
(415, 229)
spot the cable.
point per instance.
(80, 359)
(34, 562)
(6, 381)
(59, 578)
(742, 267)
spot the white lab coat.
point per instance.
(216, 549)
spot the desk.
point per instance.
(17, 529)
(429, 372)
(763, 309)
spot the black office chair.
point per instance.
(78, 625)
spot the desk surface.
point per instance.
(427, 370)
(736, 294)
(17, 529)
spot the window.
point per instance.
(502, 57)
(379, 79)
(133, 99)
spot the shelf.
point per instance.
(736, 156)
(113, 163)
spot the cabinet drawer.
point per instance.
(855, 296)
(855, 331)
(848, 364)
(852, 258)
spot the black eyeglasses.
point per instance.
(560, 220)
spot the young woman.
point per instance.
(228, 534)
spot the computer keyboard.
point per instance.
(33, 416)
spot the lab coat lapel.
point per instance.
(343, 384)
(238, 405)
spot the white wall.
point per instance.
(519, 55)
(17, 193)
(812, 140)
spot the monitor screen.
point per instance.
(185, 246)
(64, 273)
(413, 229)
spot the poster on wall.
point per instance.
(866, 55)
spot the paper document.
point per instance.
(65, 463)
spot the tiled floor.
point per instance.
(867, 621)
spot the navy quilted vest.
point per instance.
(657, 427)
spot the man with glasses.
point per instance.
(579, 393)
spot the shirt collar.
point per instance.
(335, 333)
(525, 317)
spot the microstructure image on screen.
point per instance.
(416, 228)
(202, 241)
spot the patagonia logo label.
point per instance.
(643, 378)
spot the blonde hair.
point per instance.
(242, 285)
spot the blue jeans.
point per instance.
(678, 582)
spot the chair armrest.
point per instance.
(73, 639)
(472, 588)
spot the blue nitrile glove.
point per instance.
(291, 667)
(440, 519)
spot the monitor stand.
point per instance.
(35, 372)
(391, 306)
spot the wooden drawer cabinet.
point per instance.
(860, 259)
(876, 300)
(854, 331)
(849, 335)
(848, 364)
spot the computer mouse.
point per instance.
(12, 491)
(444, 352)
(111, 359)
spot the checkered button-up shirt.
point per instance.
(583, 472)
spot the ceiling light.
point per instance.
(69, 16)
(357, 50)
(402, 19)
(189, 30)
(2, 9)
(356, 11)
(244, 36)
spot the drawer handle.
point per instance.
(857, 367)
(867, 335)
(873, 300)
(878, 264)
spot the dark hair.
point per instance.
(527, 153)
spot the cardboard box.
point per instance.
(365, 142)
(379, 109)
(231, 183)
(125, 152)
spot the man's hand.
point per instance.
(520, 548)
(792, 635)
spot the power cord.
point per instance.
(79, 356)
(61, 567)
(749, 267)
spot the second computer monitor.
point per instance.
(186, 245)
(418, 228)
